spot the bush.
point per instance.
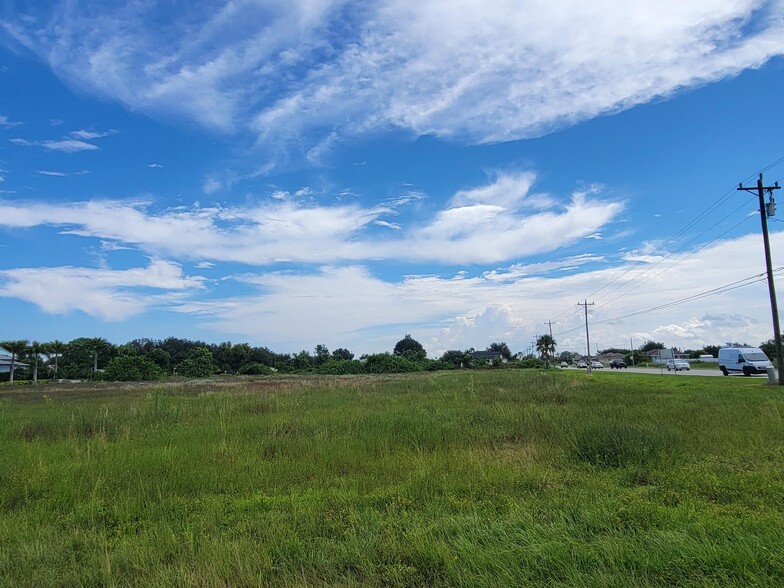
(340, 367)
(530, 363)
(384, 363)
(198, 364)
(254, 368)
(132, 368)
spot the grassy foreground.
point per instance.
(494, 478)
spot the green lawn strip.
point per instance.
(483, 478)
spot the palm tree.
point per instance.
(57, 348)
(545, 345)
(34, 351)
(15, 348)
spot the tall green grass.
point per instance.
(485, 478)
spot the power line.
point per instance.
(713, 291)
(682, 259)
(727, 196)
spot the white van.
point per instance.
(748, 360)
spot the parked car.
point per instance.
(564, 364)
(597, 365)
(677, 365)
(582, 364)
(617, 364)
(748, 360)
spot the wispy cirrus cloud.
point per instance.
(317, 72)
(495, 226)
(6, 123)
(75, 142)
(64, 145)
(89, 135)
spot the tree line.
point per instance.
(151, 359)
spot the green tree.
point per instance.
(713, 350)
(84, 355)
(56, 348)
(198, 364)
(566, 356)
(636, 358)
(342, 354)
(321, 355)
(15, 348)
(545, 345)
(410, 348)
(132, 368)
(254, 368)
(650, 345)
(34, 354)
(384, 363)
(302, 361)
(341, 367)
(501, 348)
(456, 359)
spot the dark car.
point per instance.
(617, 364)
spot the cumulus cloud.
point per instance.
(495, 226)
(350, 306)
(111, 295)
(472, 71)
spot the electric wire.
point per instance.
(761, 277)
(698, 218)
(682, 259)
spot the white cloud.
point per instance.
(68, 145)
(110, 295)
(301, 230)
(154, 165)
(349, 306)
(470, 70)
(88, 135)
(5, 123)
(56, 174)
(211, 185)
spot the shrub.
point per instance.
(198, 364)
(132, 368)
(384, 363)
(341, 366)
(254, 368)
(530, 363)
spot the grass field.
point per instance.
(491, 478)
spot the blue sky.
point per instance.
(295, 173)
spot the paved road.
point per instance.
(658, 372)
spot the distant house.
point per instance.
(662, 355)
(5, 364)
(606, 357)
(489, 356)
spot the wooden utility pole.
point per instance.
(586, 304)
(765, 212)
